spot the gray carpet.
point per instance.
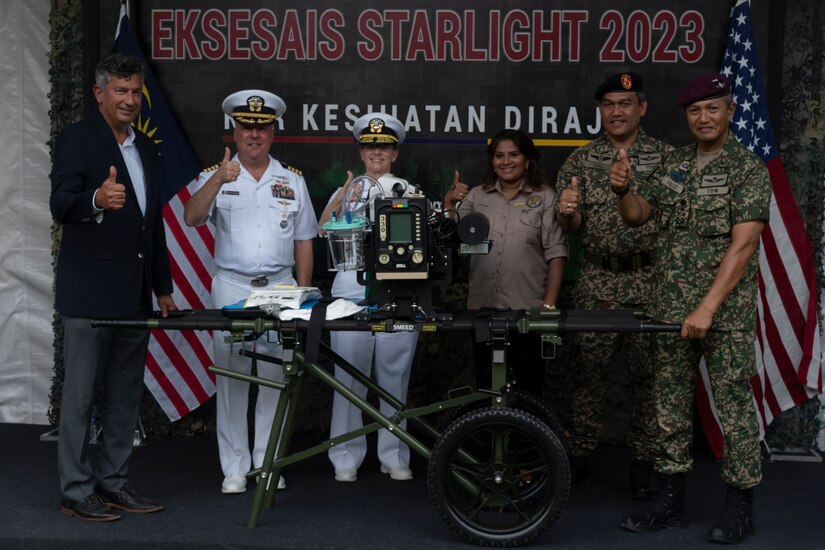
(317, 512)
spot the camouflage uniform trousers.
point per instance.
(730, 361)
(597, 354)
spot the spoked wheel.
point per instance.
(523, 400)
(499, 477)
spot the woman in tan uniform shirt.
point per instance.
(524, 267)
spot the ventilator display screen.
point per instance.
(400, 227)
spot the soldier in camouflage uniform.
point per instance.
(710, 201)
(617, 273)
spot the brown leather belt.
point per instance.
(620, 263)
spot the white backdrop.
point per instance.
(26, 305)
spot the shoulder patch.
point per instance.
(292, 168)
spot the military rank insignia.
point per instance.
(283, 191)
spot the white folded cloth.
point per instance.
(338, 309)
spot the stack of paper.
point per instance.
(285, 297)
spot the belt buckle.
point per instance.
(259, 281)
(614, 263)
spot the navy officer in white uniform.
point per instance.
(378, 136)
(264, 225)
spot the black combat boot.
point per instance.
(579, 469)
(736, 522)
(667, 510)
(642, 486)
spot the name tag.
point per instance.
(673, 186)
(714, 180)
(597, 165)
(228, 192)
(708, 191)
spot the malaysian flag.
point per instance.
(177, 363)
(788, 357)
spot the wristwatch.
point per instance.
(622, 193)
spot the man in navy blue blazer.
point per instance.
(105, 194)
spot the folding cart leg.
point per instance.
(274, 435)
(286, 437)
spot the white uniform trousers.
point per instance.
(233, 395)
(394, 354)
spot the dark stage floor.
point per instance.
(317, 512)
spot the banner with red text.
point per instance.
(454, 73)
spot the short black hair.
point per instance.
(118, 65)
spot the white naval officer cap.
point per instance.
(254, 107)
(378, 128)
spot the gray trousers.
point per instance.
(112, 359)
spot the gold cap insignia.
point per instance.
(376, 126)
(255, 103)
(627, 82)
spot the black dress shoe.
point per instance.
(127, 500)
(90, 508)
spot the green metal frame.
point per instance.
(244, 328)
(296, 367)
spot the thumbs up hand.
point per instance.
(338, 199)
(229, 169)
(620, 174)
(111, 195)
(569, 199)
(456, 193)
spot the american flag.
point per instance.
(788, 356)
(176, 366)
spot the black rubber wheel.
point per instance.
(523, 400)
(499, 477)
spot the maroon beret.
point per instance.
(705, 86)
(622, 82)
